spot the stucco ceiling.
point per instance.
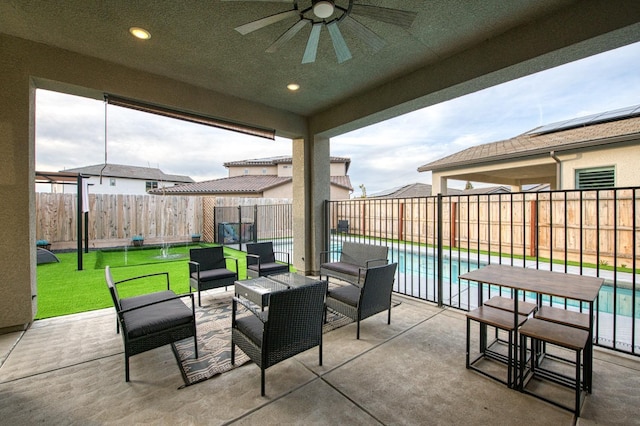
(194, 41)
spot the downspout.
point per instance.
(558, 170)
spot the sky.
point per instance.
(71, 131)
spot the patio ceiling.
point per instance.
(452, 48)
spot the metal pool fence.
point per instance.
(435, 239)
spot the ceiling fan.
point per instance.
(334, 15)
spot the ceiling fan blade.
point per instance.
(286, 36)
(312, 44)
(401, 18)
(339, 45)
(261, 23)
(363, 33)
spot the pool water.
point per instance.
(417, 276)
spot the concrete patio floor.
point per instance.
(70, 370)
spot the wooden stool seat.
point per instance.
(563, 316)
(507, 304)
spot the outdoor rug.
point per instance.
(213, 324)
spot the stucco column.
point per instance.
(438, 184)
(311, 187)
(17, 191)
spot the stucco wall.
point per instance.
(122, 186)
(625, 159)
(252, 170)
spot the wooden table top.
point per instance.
(575, 287)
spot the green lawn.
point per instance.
(63, 290)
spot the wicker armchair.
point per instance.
(292, 324)
(151, 320)
(373, 297)
(208, 269)
(261, 260)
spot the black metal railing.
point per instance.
(235, 226)
(435, 239)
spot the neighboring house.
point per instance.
(482, 190)
(597, 151)
(121, 179)
(264, 178)
(425, 190)
(409, 191)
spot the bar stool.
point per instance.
(572, 319)
(500, 319)
(564, 336)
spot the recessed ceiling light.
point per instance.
(293, 86)
(140, 33)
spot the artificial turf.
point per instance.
(63, 290)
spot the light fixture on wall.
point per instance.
(323, 9)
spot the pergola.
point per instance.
(196, 63)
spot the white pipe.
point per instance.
(558, 170)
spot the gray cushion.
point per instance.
(214, 274)
(251, 327)
(342, 267)
(270, 268)
(157, 318)
(348, 294)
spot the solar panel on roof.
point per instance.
(602, 117)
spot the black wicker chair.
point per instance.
(208, 269)
(292, 324)
(373, 297)
(151, 320)
(261, 260)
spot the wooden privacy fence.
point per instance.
(115, 219)
(594, 226)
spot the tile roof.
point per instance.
(130, 172)
(409, 191)
(532, 144)
(253, 184)
(272, 161)
(485, 190)
(342, 181)
(424, 190)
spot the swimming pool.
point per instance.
(418, 276)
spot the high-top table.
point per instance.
(573, 287)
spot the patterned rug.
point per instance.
(213, 324)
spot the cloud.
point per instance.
(70, 131)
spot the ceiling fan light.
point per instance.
(323, 9)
